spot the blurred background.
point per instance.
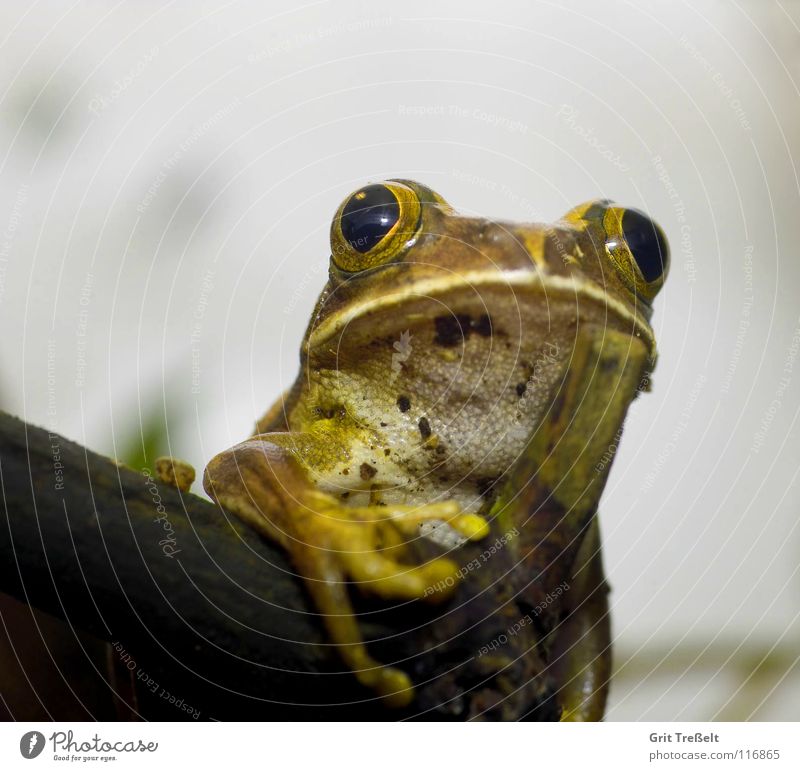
(169, 172)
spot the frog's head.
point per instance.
(399, 251)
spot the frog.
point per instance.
(458, 373)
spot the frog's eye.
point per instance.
(647, 243)
(638, 248)
(374, 225)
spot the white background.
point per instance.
(267, 115)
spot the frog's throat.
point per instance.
(571, 286)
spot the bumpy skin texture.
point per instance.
(477, 378)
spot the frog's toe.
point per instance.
(471, 526)
(175, 472)
(392, 685)
(380, 575)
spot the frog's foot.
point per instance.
(175, 472)
(368, 543)
(334, 545)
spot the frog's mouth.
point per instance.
(587, 295)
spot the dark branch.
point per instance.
(214, 613)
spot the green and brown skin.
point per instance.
(527, 344)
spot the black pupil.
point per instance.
(646, 242)
(368, 216)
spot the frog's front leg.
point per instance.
(331, 544)
(581, 654)
(553, 492)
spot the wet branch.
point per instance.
(213, 612)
